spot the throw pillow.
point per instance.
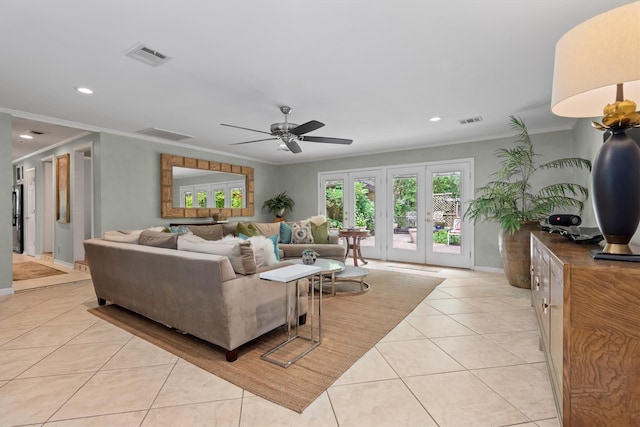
(265, 249)
(238, 251)
(122, 236)
(302, 233)
(320, 232)
(159, 239)
(318, 219)
(180, 229)
(268, 228)
(285, 232)
(248, 230)
(207, 232)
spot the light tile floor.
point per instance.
(466, 356)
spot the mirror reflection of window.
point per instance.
(187, 199)
(236, 197)
(219, 198)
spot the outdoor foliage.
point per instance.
(405, 198)
(509, 199)
(365, 208)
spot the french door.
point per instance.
(354, 199)
(414, 213)
(426, 211)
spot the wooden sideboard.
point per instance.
(589, 316)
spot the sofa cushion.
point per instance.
(229, 228)
(301, 233)
(320, 232)
(238, 251)
(159, 239)
(247, 229)
(208, 232)
(122, 236)
(285, 232)
(268, 229)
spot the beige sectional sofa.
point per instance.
(198, 293)
(332, 249)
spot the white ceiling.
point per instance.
(373, 71)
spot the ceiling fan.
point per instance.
(290, 133)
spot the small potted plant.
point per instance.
(278, 205)
(309, 256)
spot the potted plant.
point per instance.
(278, 205)
(309, 256)
(510, 201)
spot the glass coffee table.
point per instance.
(328, 267)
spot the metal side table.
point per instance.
(288, 275)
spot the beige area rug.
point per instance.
(351, 325)
(33, 270)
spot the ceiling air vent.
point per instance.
(164, 134)
(36, 132)
(470, 120)
(147, 55)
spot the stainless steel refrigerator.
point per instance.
(18, 220)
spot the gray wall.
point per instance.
(551, 146)
(127, 178)
(6, 184)
(129, 181)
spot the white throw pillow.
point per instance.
(263, 246)
(318, 219)
(238, 251)
(122, 236)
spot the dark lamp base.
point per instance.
(628, 257)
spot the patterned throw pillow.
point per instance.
(301, 233)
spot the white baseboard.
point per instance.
(6, 291)
(64, 264)
(488, 269)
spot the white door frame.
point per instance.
(47, 210)
(80, 182)
(384, 208)
(29, 210)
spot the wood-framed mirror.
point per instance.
(215, 177)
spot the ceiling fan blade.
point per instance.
(240, 127)
(255, 140)
(306, 127)
(293, 146)
(327, 140)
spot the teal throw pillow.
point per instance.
(285, 232)
(274, 239)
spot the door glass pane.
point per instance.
(365, 209)
(334, 202)
(404, 211)
(236, 197)
(202, 198)
(219, 198)
(188, 199)
(447, 224)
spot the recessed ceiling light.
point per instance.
(25, 136)
(435, 119)
(85, 90)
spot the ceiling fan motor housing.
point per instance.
(278, 128)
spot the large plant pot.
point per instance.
(515, 253)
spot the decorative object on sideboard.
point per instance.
(309, 256)
(279, 205)
(597, 62)
(509, 201)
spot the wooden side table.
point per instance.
(353, 238)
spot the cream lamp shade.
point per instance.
(592, 58)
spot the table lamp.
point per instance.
(597, 65)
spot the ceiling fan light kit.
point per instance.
(291, 133)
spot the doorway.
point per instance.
(82, 209)
(30, 212)
(415, 211)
